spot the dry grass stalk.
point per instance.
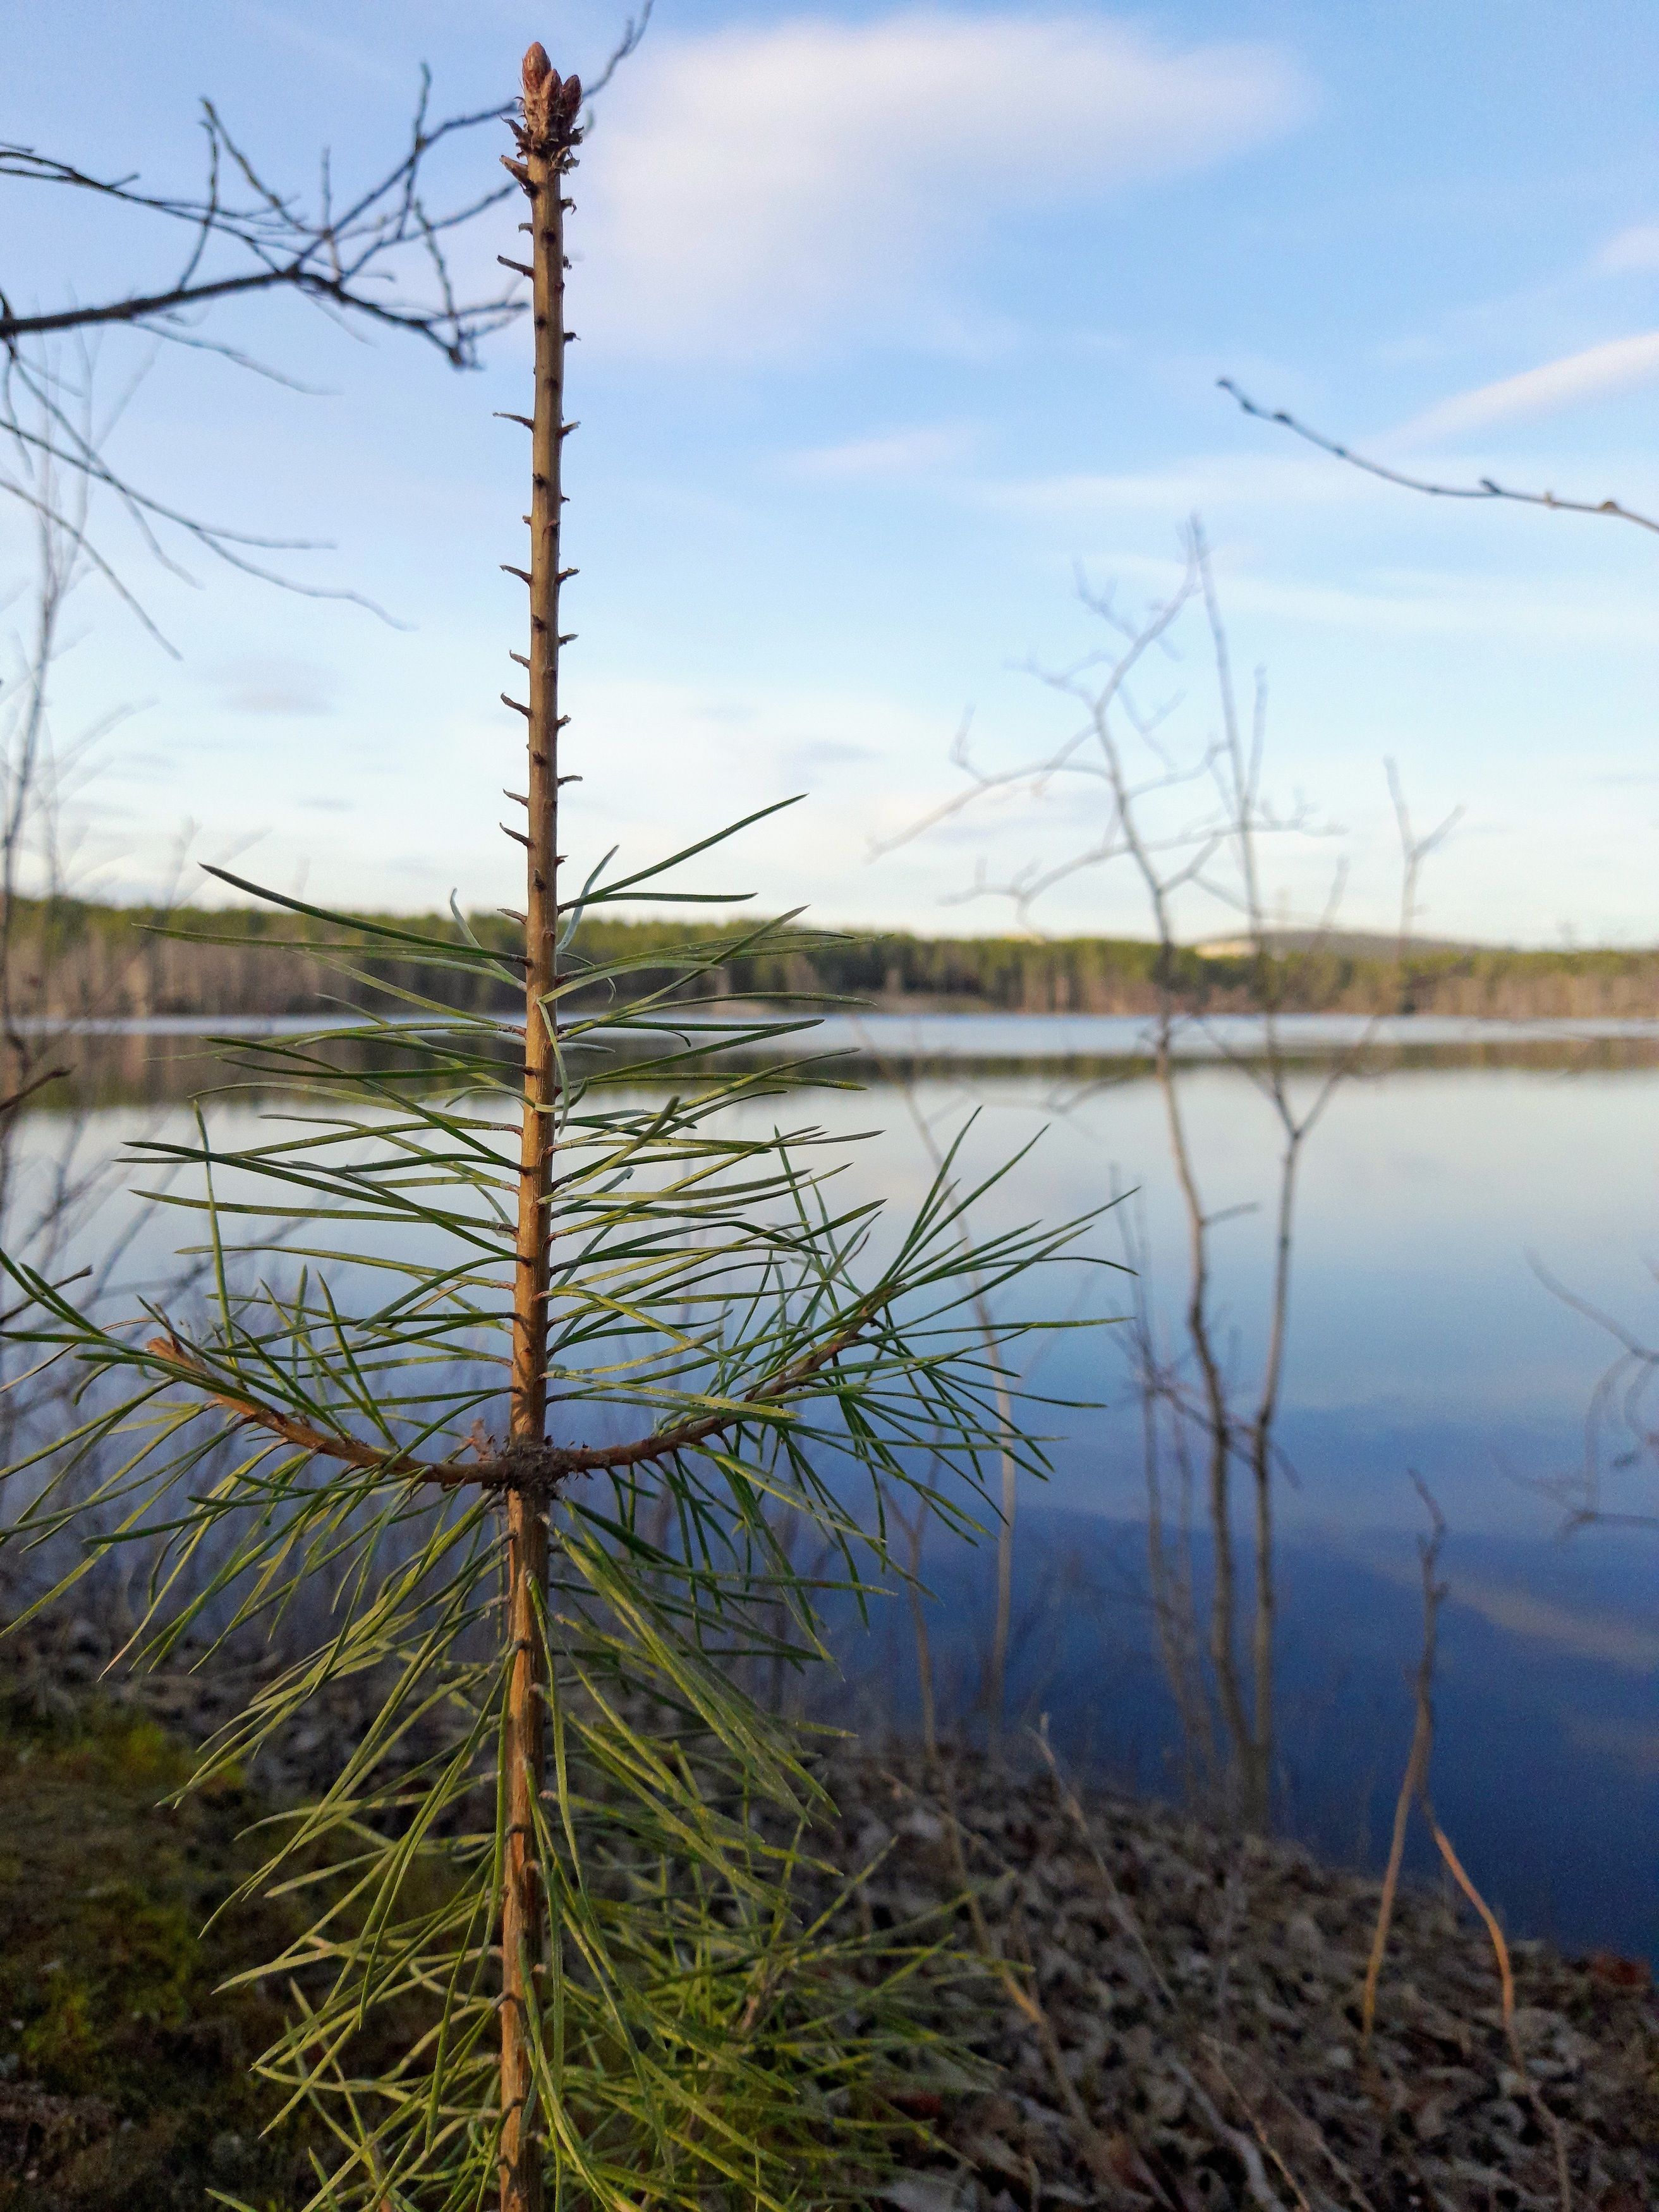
(1506, 1998)
(1119, 1904)
(1300, 2120)
(1414, 1789)
(1021, 1993)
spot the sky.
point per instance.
(895, 323)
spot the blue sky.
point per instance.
(890, 317)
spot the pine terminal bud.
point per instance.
(542, 90)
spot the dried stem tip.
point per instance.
(550, 102)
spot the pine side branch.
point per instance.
(530, 1466)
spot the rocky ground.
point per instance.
(1180, 2020)
(1158, 2015)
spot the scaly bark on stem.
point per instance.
(547, 138)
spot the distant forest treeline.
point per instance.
(74, 958)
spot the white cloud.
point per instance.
(1610, 1638)
(900, 453)
(367, 62)
(1207, 483)
(1627, 1741)
(1635, 249)
(1599, 373)
(1407, 604)
(812, 181)
(849, 751)
(274, 683)
(1398, 603)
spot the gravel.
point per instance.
(1171, 2016)
(1155, 2012)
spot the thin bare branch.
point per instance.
(1484, 489)
(375, 260)
(1415, 1779)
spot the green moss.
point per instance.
(125, 2081)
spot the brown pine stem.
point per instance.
(547, 139)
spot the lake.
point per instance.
(1454, 1198)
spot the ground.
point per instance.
(1174, 2019)
(1148, 2010)
(124, 2077)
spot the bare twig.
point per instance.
(632, 31)
(1623, 1393)
(1415, 847)
(1485, 489)
(1415, 1779)
(378, 259)
(333, 255)
(1190, 821)
(10, 1104)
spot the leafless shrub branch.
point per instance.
(1189, 821)
(1484, 489)
(1414, 1781)
(377, 259)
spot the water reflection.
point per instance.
(1423, 1339)
(1547, 1766)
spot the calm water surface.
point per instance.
(1448, 1196)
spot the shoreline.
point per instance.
(1161, 2014)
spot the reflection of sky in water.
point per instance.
(1421, 1338)
(1545, 1770)
(1420, 1333)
